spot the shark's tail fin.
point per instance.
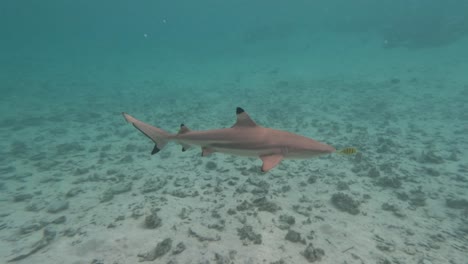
(159, 136)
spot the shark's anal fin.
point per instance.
(270, 161)
(206, 151)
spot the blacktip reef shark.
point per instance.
(244, 138)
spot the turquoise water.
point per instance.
(79, 185)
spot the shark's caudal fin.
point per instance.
(159, 136)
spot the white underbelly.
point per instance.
(248, 152)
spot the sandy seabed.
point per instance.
(78, 184)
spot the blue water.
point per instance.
(386, 77)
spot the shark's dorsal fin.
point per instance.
(270, 161)
(243, 119)
(183, 129)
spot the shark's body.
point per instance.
(245, 138)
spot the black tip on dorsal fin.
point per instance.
(183, 129)
(243, 119)
(239, 110)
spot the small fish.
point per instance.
(347, 151)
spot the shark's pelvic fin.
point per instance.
(270, 161)
(206, 151)
(243, 119)
(185, 147)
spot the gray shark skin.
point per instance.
(244, 138)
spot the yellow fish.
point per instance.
(347, 151)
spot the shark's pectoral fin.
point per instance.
(270, 161)
(206, 151)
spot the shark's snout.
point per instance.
(329, 149)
